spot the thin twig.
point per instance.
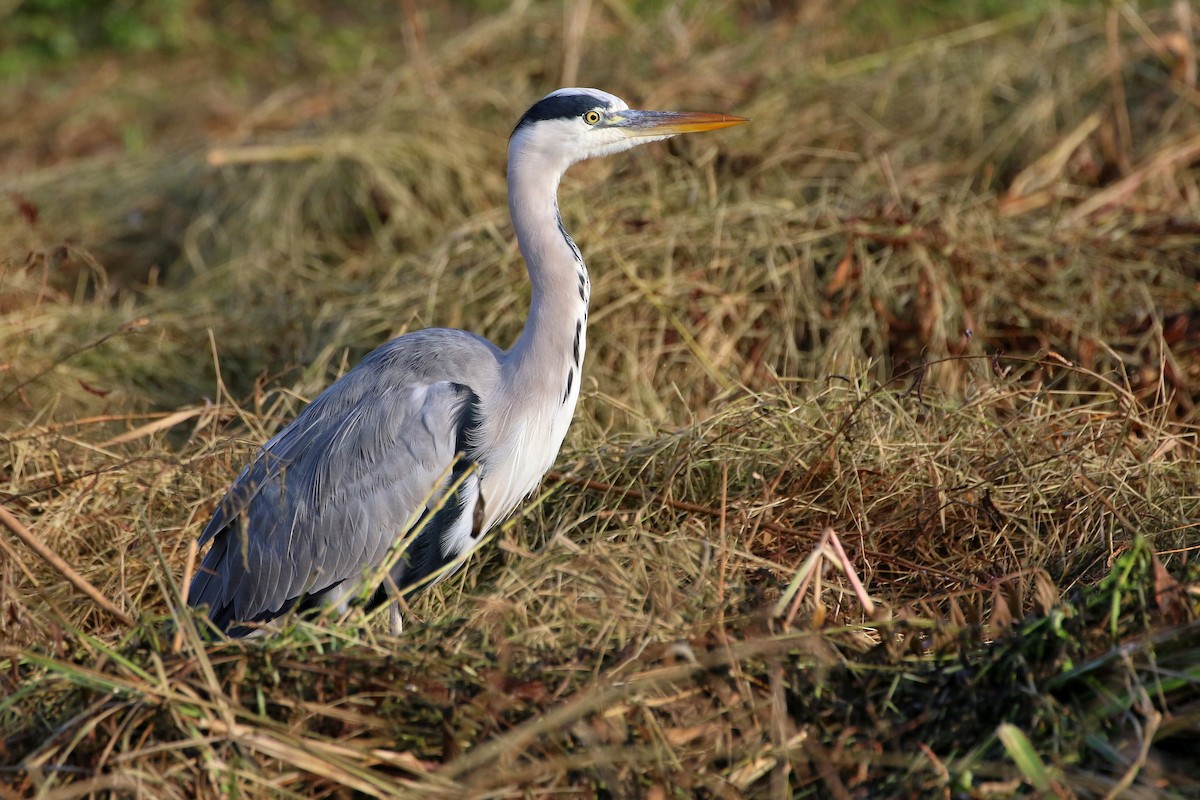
(586, 702)
(1182, 10)
(1159, 164)
(128, 327)
(779, 729)
(575, 23)
(189, 569)
(66, 570)
(696, 508)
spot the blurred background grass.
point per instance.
(350, 226)
(941, 296)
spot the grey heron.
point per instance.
(438, 432)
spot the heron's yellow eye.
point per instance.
(591, 117)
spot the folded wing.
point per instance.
(326, 498)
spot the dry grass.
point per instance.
(940, 298)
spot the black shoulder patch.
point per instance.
(469, 422)
(560, 106)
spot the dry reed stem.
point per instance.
(1161, 165)
(826, 320)
(600, 697)
(63, 568)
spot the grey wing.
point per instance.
(327, 497)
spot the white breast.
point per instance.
(527, 444)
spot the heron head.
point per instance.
(570, 125)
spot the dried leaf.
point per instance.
(94, 390)
(1014, 593)
(1002, 617)
(957, 617)
(1045, 594)
(842, 275)
(677, 737)
(1168, 595)
(27, 210)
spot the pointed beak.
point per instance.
(670, 123)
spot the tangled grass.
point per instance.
(938, 300)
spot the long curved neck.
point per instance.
(548, 355)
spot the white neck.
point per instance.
(541, 374)
(548, 355)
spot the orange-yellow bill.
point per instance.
(669, 123)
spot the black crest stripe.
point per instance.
(560, 106)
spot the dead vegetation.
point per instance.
(939, 299)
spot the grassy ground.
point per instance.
(940, 299)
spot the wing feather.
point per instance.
(325, 499)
